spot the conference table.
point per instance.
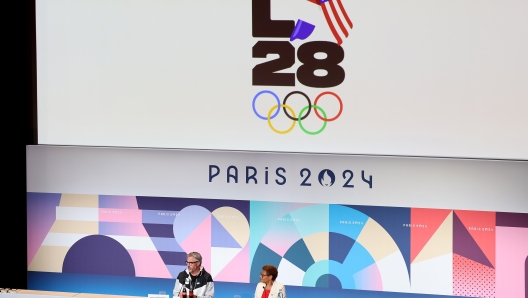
(48, 294)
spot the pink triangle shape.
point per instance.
(148, 263)
(281, 236)
(369, 279)
(200, 241)
(237, 270)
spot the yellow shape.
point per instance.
(441, 243)
(376, 240)
(317, 244)
(70, 200)
(291, 112)
(234, 222)
(75, 227)
(49, 259)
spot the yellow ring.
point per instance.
(269, 119)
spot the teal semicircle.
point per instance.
(328, 281)
(340, 271)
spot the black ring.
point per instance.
(309, 105)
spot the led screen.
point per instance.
(419, 78)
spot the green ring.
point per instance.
(300, 123)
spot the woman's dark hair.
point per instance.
(271, 270)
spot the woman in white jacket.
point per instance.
(268, 287)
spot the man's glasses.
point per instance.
(191, 262)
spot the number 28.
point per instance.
(266, 73)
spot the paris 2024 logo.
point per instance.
(278, 72)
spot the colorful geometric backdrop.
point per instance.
(392, 249)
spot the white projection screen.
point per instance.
(409, 77)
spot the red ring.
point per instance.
(340, 106)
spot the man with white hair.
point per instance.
(194, 278)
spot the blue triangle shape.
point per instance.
(263, 255)
(220, 237)
(299, 255)
(340, 246)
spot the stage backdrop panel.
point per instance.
(331, 246)
(407, 77)
(104, 219)
(282, 177)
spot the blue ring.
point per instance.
(255, 99)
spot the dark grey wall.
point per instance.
(18, 130)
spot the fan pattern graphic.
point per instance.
(329, 246)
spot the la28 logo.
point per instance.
(267, 73)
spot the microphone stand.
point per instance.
(182, 285)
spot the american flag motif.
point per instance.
(334, 13)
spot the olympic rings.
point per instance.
(310, 132)
(340, 106)
(290, 113)
(255, 99)
(309, 105)
(269, 119)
